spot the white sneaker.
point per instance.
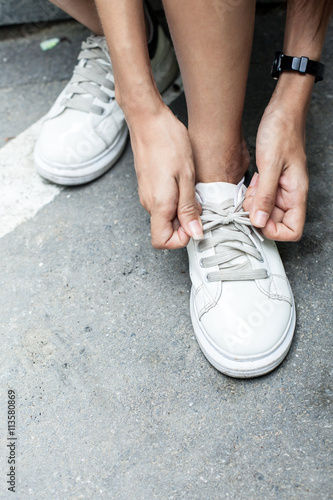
(242, 307)
(85, 132)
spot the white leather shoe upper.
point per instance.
(241, 318)
(75, 134)
(85, 126)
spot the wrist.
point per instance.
(300, 48)
(292, 96)
(139, 99)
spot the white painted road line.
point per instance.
(22, 191)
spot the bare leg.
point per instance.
(83, 11)
(213, 42)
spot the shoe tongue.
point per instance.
(216, 192)
(96, 42)
(220, 192)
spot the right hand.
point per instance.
(279, 193)
(166, 177)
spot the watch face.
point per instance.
(276, 65)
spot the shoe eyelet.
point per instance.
(206, 278)
(261, 260)
(201, 263)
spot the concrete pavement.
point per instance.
(114, 398)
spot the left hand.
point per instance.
(276, 198)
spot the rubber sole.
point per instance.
(76, 175)
(243, 368)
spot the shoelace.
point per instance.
(231, 237)
(88, 78)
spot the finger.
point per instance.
(289, 229)
(277, 214)
(252, 186)
(265, 196)
(278, 231)
(250, 192)
(199, 207)
(175, 224)
(187, 211)
(184, 238)
(167, 234)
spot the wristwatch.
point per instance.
(302, 65)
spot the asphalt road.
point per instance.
(114, 399)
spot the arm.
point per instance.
(161, 145)
(279, 193)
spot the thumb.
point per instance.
(264, 197)
(189, 210)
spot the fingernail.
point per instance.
(254, 180)
(260, 218)
(195, 229)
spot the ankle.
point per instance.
(232, 175)
(221, 163)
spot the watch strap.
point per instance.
(302, 65)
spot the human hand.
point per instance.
(276, 198)
(166, 177)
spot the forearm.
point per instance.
(306, 27)
(305, 31)
(124, 27)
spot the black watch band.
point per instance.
(302, 65)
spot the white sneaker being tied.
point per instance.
(85, 132)
(242, 307)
